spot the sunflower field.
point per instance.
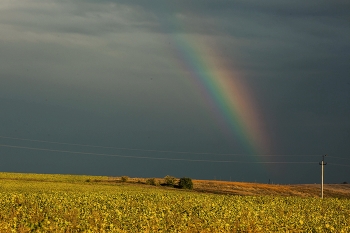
(28, 205)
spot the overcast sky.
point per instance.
(142, 75)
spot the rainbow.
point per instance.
(225, 92)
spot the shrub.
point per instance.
(124, 178)
(186, 183)
(152, 181)
(169, 180)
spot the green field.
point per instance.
(62, 203)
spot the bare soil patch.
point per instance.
(255, 189)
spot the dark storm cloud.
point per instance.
(76, 17)
(106, 72)
(76, 43)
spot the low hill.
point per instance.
(243, 188)
(206, 186)
(256, 189)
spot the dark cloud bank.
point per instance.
(104, 73)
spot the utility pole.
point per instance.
(322, 164)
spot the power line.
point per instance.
(147, 157)
(339, 157)
(148, 150)
(337, 164)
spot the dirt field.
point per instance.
(255, 189)
(302, 190)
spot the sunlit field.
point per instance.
(58, 203)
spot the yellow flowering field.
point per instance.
(28, 205)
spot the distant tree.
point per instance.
(124, 178)
(152, 181)
(169, 180)
(186, 183)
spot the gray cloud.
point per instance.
(109, 72)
